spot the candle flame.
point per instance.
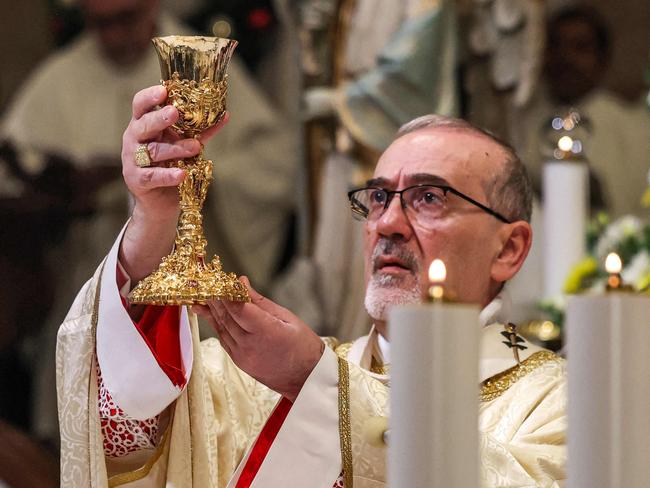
(613, 263)
(437, 271)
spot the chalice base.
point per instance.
(182, 280)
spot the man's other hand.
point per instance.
(265, 340)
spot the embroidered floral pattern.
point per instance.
(339, 482)
(123, 435)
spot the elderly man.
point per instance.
(270, 403)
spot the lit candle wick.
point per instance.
(437, 276)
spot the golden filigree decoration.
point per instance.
(200, 104)
(345, 426)
(185, 277)
(342, 350)
(498, 384)
(378, 367)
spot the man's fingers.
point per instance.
(226, 340)
(208, 134)
(224, 319)
(152, 124)
(266, 304)
(165, 151)
(202, 311)
(150, 178)
(250, 317)
(146, 100)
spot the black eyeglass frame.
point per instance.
(445, 188)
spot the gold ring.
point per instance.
(142, 156)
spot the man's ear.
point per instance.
(515, 239)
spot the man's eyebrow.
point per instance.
(423, 178)
(377, 182)
(414, 179)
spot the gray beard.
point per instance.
(385, 291)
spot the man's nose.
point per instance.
(394, 220)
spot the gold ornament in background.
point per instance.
(194, 73)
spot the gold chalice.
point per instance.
(194, 73)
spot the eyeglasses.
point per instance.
(426, 202)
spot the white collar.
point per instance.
(498, 310)
(384, 347)
(494, 356)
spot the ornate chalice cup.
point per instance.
(194, 73)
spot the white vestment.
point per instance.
(78, 104)
(217, 417)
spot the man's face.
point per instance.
(398, 250)
(124, 28)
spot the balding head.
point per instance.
(508, 187)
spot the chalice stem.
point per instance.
(192, 192)
(194, 74)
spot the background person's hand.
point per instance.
(265, 340)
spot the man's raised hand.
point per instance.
(151, 231)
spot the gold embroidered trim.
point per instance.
(498, 384)
(378, 367)
(122, 478)
(95, 314)
(92, 399)
(375, 366)
(331, 342)
(345, 429)
(343, 350)
(142, 471)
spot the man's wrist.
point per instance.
(146, 241)
(294, 390)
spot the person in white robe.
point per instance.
(85, 90)
(270, 403)
(617, 146)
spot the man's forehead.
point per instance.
(447, 154)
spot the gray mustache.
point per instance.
(390, 247)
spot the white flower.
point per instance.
(639, 267)
(557, 302)
(615, 233)
(599, 286)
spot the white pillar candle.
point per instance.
(566, 200)
(608, 339)
(434, 396)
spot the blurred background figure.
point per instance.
(83, 90)
(578, 55)
(363, 76)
